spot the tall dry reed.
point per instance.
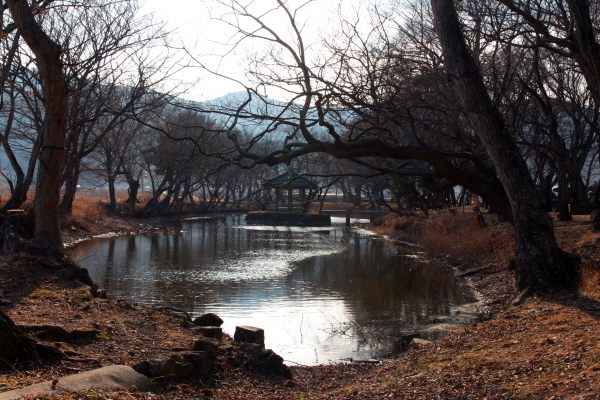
(440, 233)
(87, 210)
(455, 235)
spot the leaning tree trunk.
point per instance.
(16, 346)
(540, 264)
(52, 152)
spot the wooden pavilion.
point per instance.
(291, 181)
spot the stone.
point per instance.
(226, 347)
(191, 364)
(594, 216)
(265, 359)
(210, 332)
(111, 377)
(249, 334)
(210, 346)
(195, 365)
(149, 368)
(209, 319)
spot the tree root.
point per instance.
(521, 297)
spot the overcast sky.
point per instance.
(191, 19)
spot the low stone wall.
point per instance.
(287, 219)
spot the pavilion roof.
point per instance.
(290, 180)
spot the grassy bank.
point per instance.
(545, 347)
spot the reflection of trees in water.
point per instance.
(387, 292)
(178, 261)
(384, 292)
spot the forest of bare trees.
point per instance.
(496, 96)
(400, 105)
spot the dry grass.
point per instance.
(410, 227)
(86, 211)
(5, 196)
(590, 274)
(544, 348)
(456, 236)
(441, 234)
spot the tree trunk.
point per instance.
(112, 205)
(134, 186)
(16, 346)
(71, 180)
(51, 158)
(540, 264)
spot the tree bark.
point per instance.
(540, 265)
(71, 179)
(134, 186)
(16, 346)
(51, 157)
(111, 193)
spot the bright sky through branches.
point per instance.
(196, 27)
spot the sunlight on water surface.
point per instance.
(321, 294)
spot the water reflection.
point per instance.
(321, 294)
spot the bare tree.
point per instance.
(370, 97)
(541, 265)
(19, 123)
(382, 102)
(110, 74)
(52, 150)
(565, 27)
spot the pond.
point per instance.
(321, 294)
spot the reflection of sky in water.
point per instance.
(320, 294)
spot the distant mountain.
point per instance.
(257, 114)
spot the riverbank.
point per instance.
(545, 347)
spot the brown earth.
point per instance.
(543, 348)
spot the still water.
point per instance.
(321, 294)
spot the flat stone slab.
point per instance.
(111, 377)
(214, 332)
(249, 334)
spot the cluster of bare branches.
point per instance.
(497, 96)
